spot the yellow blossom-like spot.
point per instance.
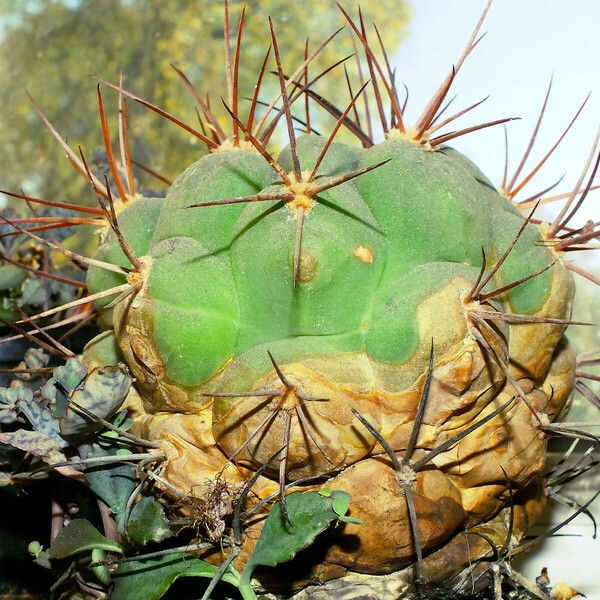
(364, 254)
(133, 278)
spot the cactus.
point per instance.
(373, 315)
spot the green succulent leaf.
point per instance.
(11, 400)
(11, 276)
(347, 519)
(36, 358)
(7, 416)
(115, 482)
(310, 513)
(36, 443)
(40, 556)
(40, 417)
(33, 293)
(69, 375)
(63, 381)
(101, 393)
(80, 536)
(341, 503)
(150, 579)
(103, 349)
(100, 568)
(122, 421)
(12, 395)
(147, 522)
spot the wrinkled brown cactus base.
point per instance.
(461, 499)
(464, 559)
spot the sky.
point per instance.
(525, 43)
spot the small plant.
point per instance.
(357, 347)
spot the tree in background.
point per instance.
(50, 47)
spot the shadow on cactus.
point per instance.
(347, 358)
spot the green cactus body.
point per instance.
(221, 281)
(386, 264)
(138, 221)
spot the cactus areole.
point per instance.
(375, 315)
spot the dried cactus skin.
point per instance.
(386, 265)
(438, 502)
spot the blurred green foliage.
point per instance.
(50, 47)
